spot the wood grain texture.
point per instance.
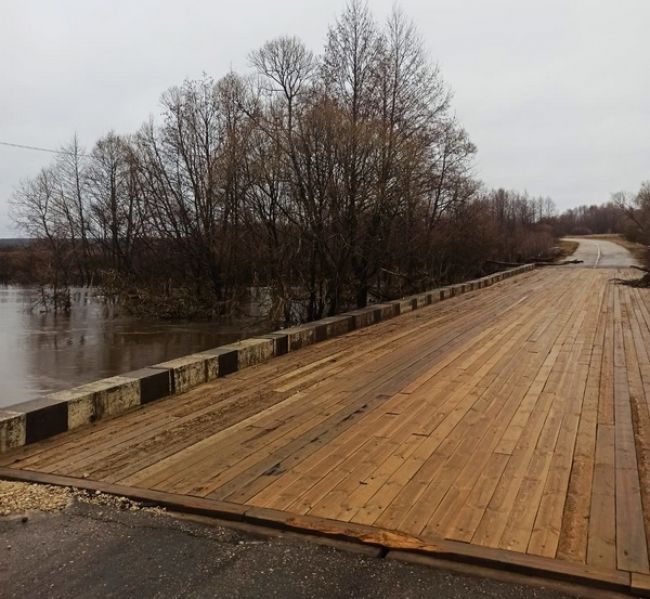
(513, 418)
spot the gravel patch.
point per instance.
(18, 498)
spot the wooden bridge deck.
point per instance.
(515, 417)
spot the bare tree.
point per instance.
(287, 67)
(111, 181)
(331, 179)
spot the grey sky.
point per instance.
(555, 93)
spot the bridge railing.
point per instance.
(61, 411)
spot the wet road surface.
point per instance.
(601, 253)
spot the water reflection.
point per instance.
(41, 352)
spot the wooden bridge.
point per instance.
(509, 426)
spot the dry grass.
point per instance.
(567, 248)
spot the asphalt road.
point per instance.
(95, 552)
(601, 253)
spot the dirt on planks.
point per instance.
(643, 282)
(641, 427)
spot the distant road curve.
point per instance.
(600, 253)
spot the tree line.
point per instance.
(626, 214)
(332, 179)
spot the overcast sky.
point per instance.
(555, 93)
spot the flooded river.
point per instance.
(41, 352)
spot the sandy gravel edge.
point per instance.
(21, 498)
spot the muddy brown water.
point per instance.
(42, 352)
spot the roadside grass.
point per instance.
(567, 248)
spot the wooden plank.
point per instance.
(544, 416)
(251, 480)
(601, 550)
(403, 405)
(545, 536)
(572, 542)
(394, 515)
(631, 547)
(461, 420)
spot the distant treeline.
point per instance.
(626, 214)
(330, 179)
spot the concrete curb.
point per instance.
(33, 421)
